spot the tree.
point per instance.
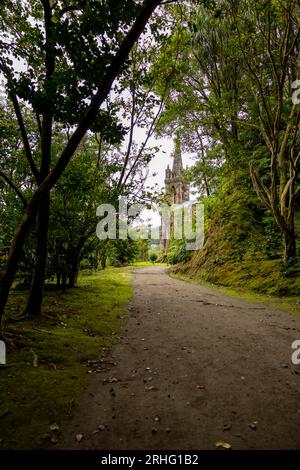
(271, 66)
(122, 252)
(233, 91)
(262, 53)
(73, 58)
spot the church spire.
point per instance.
(177, 158)
(177, 189)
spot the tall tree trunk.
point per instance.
(90, 115)
(75, 259)
(15, 252)
(103, 261)
(64, 278)
(74, 270)
(58, 278)
(34, 302)
(290, 244)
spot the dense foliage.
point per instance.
(87, 84)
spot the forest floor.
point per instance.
(194, 367)
(50, 359)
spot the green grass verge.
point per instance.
(146, 264)
(47, 359)
(290, 304)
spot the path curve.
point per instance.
(194, 367)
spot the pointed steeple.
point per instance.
(177, 158)
(176, 189)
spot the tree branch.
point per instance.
(15, 188)
(24, 135)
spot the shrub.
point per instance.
(177, 252)
(153, 256)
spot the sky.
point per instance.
(159, 165)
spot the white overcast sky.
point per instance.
(158, 166)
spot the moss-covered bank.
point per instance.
(48, 359)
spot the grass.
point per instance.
(146, 264)
(290, 304)
(261, 276)
(47, 360)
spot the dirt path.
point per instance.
(193, 362)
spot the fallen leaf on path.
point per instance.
(55, 432)
(227, 427)
(110, 380)
(71, 405)
(54, 427)
(253, 425)
(223, 444)
(35, 358)
(79, 437)
(101, 427)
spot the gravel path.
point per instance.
(193, 368)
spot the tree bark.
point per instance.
(74, 269)
(290, 245)
(58, 278)
(103, 261)
(15, 252)
(34, 302)
(64, 278)
(45, 187)
(75, 258)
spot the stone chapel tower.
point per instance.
(176, 190)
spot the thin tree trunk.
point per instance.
(74, 270)
(45, 187)
(290, 245)
(103, 261)
(64, 278)
(15, 252)
(34, 302)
